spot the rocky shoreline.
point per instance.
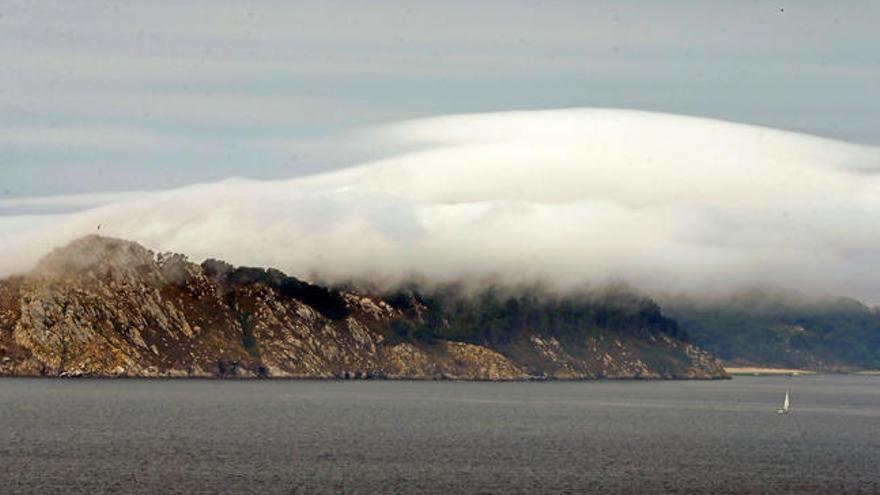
(103, 307)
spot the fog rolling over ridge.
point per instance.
(659, 201)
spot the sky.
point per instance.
(100, 96)
(686, 146)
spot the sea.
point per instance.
(140, 436)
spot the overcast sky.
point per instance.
(115, 96)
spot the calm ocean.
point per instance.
(291, 437)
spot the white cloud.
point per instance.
(571, 196)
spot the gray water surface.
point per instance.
(291, 437)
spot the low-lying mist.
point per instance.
(564, 197)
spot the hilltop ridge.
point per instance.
(108, 307)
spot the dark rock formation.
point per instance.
(108, 307)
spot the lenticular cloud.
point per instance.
(565, 196)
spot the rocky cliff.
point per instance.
(109, 307)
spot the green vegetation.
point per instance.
(248, 341)
(782, 330)
(496, 316)
(328, 302)
(250, 344)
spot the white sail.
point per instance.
(785, 405)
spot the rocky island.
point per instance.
(108, 307)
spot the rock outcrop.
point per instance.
(109, 307)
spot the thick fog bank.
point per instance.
(659, 201)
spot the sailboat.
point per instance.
(785, 405)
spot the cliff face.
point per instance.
(108, 307)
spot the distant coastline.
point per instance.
(758, 370)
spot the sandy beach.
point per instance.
(755, 370)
